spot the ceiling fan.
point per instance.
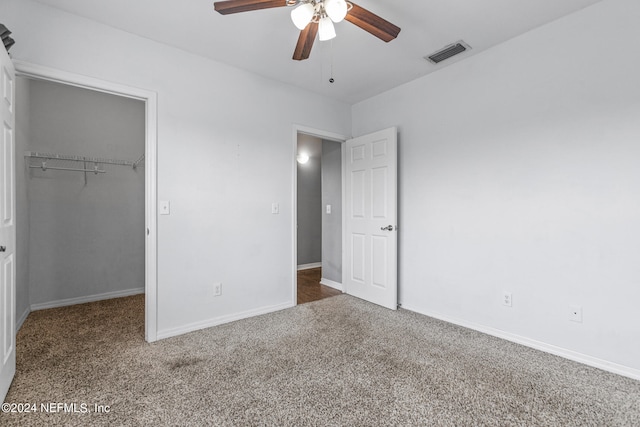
(316, 17)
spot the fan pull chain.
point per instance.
(331, 79)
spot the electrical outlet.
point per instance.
(575, 313)
(217, 289)
(506, 299)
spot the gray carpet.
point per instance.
(335, 362)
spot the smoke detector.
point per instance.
(447, 52)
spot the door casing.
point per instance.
(39, 72)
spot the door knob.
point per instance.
(387, 228)
(3, 248)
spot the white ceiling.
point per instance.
(263, 41)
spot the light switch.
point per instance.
(275, 208)
(328, 209)
(165, 207)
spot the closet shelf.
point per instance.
(98, 160)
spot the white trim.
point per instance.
(294, 205)
(317, 133)
(343, 171)
(85, 299)
(40, 72)
(150, 99)
(331, 284)
(22, 318)
(309, 266)
(221, 320)
(538, 345)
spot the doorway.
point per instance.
(147, 154)
(369, 224)
(80, 195)
(318, 213)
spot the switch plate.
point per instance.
(164, 207)
(275, 208)
(217, 289)
(575, 313)
(506, 299)
(329, 209)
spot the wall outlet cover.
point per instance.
(217, 289)
(507, 299)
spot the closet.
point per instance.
(79, 195)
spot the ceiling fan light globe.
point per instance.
(336, 9)
(326, 31)
(302, 15)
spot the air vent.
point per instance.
(447, 52)
(6, 40)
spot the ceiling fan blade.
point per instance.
(372, 23)
(305, 41)
(236, 6)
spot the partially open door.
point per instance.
(7, 225)
(371, 260)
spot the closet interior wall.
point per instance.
(84, 233)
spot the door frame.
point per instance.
(150, 98)
(331, 136)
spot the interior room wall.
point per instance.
(86, 238)
(520, 174)
(22, 201)
(309, 192)
(224, 156)
(332, 222)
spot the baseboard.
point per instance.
(331, 284)
(221, 320)
(85, 299)
(22, 318)
(538, 345)
(309, 266)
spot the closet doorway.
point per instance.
(319, 218)
(85, 192)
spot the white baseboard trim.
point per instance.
(309, 266)
(538, 345)
(331, 284)
(85, 299)
(221, 320)
(22, 318)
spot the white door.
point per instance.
(7, 226)
(371, 264)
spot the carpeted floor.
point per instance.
(335, 362)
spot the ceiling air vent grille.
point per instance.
(447, 52)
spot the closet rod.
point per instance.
(78, 159)
(46, 168)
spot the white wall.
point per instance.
(86, 238)
(519, 172)
(224, 155)
(22, 202)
